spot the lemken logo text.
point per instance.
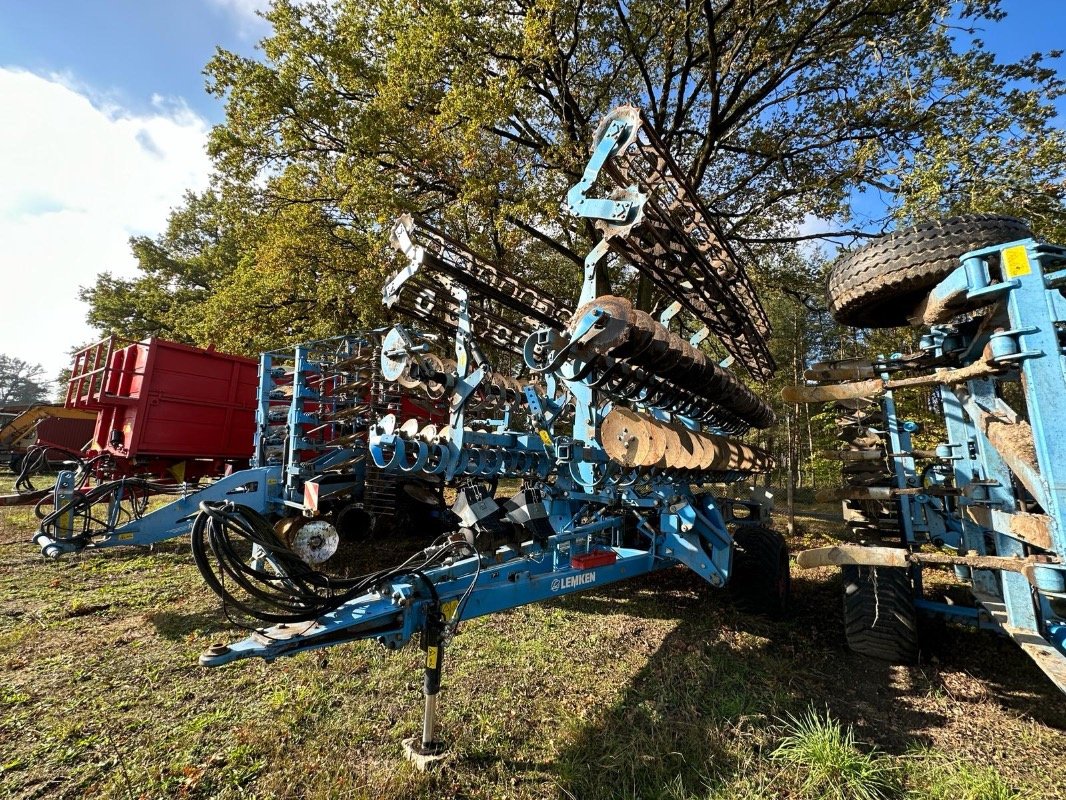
(573, 581)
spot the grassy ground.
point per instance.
(654, 688)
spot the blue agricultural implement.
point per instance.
(987, 504)
(609, 421)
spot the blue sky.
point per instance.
(129, 50)
(104, 129)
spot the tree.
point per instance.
(21, 383)
(479, 115)
(203, 243)
(484, 111)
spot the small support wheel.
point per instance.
(760, 582)
(879, 615)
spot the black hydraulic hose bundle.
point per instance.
(58, 523)
(35, 459)
(274, 585)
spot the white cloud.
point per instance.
(78, 177)
(246, 15)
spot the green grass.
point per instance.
(829, 763)
(936, 777)
(656, 688)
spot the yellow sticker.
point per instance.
(125, 536)
(1016, 262)
(544, 437)
(448, 609)
(431, 658)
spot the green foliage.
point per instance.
(307, 280)
(203, 243)
(829, 762)
(21, 383)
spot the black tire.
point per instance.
(879, 615)
(879, 285)
(353, 523)
(760, 582)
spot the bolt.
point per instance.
(217, 649)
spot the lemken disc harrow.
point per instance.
(614, 424)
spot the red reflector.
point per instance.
(596, 558)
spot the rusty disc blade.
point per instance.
(656, 445)
(691, 452)
(625, 437)
(616, 332)
(674, 456)
(406, 379)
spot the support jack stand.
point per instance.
(424, 758)
(429, 751)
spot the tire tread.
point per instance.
(878, 285)
(879, 615)
(759, 556)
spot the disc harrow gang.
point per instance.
(629, 356)
(638, 440)
(664, 230)
(411, 448)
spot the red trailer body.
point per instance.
(69, 434)
(160, 404)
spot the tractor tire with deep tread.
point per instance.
(881, 284)
(760, 582)
(879, 615)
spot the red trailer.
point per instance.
(165, 408)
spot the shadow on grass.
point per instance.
(175, 626)
(708, 700)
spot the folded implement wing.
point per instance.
(654, 219)
(506, 308)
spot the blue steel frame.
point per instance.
(1021, 337)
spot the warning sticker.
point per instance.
(448, 609)
(544, 437)
(431, 658)
(1016, 262)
